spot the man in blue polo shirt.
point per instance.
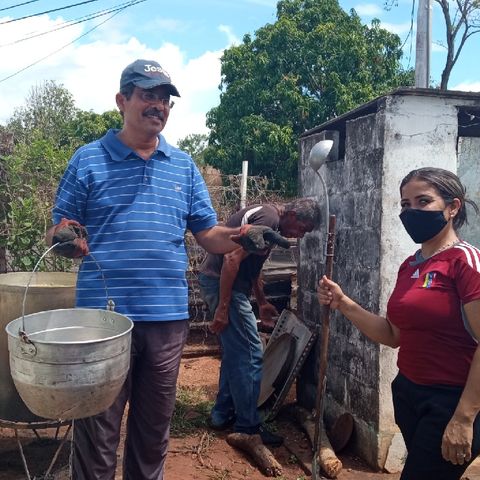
(136, 195)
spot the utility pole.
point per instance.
(424, 40)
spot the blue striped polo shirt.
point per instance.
(136, 213)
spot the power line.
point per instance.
(47, 11)
(410, 34)
(70, 23)
(17, 5)
(133, 2)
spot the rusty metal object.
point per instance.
(304, 338)
(277, 361)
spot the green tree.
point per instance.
(31, 174)
(35, 147)
(48, 111)
(88, 126)
(195, 145)
(314, 63)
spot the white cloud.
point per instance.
(20, 55)
(197, 81)
(231, 37)
(398, 28)
(91, 71)
(467, 87)
(368, 9)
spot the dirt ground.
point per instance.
(201, 455)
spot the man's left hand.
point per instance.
(268, 315)
(267, 311)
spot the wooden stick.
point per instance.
(261, 455)
(323, 353)
(200, 448)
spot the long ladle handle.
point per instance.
(323, 352)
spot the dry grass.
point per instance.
(192, 409)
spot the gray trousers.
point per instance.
(150, 390)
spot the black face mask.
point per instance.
(422, 225)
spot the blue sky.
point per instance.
(186, 36)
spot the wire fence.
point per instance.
(226, 198)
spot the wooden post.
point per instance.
(243, 185)
(3, 260)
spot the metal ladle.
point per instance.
(318, 157)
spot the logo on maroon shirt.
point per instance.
(429, 277)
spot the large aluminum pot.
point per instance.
(70, 363)
(48, 291)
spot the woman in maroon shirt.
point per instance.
(433, 316)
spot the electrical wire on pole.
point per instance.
(71, 23)
(133, 2)
(48, 11)
(17, 5)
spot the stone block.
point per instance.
(396, 454)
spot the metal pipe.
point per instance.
(327, 203)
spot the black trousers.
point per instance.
(150, 390)
(422, 414)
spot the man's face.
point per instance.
(146, 110)
(291, 227)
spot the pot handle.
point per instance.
(110, 303)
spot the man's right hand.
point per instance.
(219, 322)
(72, 239)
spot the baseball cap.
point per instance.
(147, 74)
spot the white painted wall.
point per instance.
(419, 132)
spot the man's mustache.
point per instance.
(154, 112)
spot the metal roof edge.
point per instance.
(372, 105)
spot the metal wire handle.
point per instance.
(110, 302)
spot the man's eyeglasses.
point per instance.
(152, 97)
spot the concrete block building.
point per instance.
(375, 146)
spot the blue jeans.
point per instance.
(242, 357)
